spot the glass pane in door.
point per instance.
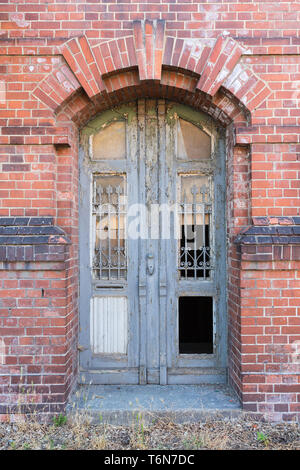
(110, 142)
(109, 226)
(195, 208)
(192, 142)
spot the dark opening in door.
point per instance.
(195, 325)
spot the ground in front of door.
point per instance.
(225, 433)
(129, 417)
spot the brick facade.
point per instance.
(62, 64)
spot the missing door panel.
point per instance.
(195, 325)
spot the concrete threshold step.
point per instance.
(128, 404)
(199, 375)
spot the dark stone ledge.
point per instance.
(276, 220)
(28, 239)
(17, 221)
(271, 231)
(270, 239)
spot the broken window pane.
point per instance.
(110, 142)
(192, 142)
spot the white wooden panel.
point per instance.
(109, 330)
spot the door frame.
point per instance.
(210, 367)
(116, 368)
(168, 293)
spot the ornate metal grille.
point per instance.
(109, 220)
(195, 211)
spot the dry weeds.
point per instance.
(80, 433)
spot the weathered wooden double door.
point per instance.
(152, 247)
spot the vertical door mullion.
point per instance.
(85, 260)
(151, 185)
(172, 245)
(142, 251)
(132, 245)
(163, 201)
(218, 217)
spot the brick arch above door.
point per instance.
(150, 63)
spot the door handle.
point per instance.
(150, 263)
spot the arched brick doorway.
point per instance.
(206, 77)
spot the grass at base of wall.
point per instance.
(79, 433)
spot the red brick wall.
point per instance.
(34, 326)
(43, 101)
(270, 326)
